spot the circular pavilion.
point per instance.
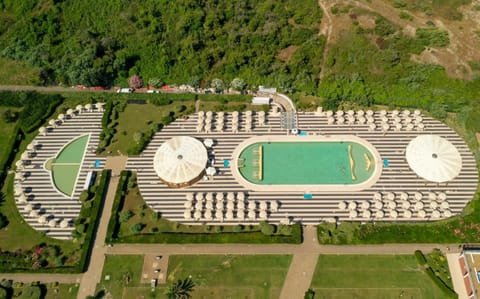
(180, 161)
(434, 158)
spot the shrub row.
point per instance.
(440, 283)
(10, 151)
(420, 257)
(37, 109)
(95, 213)
(113, 224)
(216, 238)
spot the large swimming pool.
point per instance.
(307, 161)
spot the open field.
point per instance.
(123, 271)
(375, 276)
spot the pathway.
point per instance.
(43, 277)
(457, 276)
(325, 29)
(97, 258)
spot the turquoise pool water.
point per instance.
(306, 163)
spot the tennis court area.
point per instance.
(66, 166)
(372, 276)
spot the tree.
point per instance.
(180, 289)
(3, 221)
(267, 228)
(310, 294)
(137, 227)
(135, 82)
(155, 82)
(238, 84)
(125, 215)
(217, 84)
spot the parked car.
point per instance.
(125, 90)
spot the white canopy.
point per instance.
(211, 171)
(422, 214)
(252, 205)
(365, 205)
(342, 205)
(274, 206)
(406, 204)
(251, 214)
(352, 214)
(240, 195)
(379, 214)
(263, 214)
(433, 158)
(197, 215)
(352, 205)
(378, 205)
(219, 214)
(64, 223)
(263, 205)
(180, 160)
(189, 196)
(393, 214)
(208, 142)
(366, 214)
(435, 214)
(447, 213)
(407, 214)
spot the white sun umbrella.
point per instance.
(444, 205)
(351, 112)
(395, 112)
(390, 195)
(209, 196)
(435, 214)
(385, 127)
(64, 223)
(406, 112)
(252, 214)
(406, 204)
(33, 213)
(230, 205)
(397, 119)
(418, 205)
(208, 142)
(403, 195)
(252, 205)
(52, 223)
(88, 107)
(274, 206)
(189, 196)
(379, 214)
(209, 205)
(42, 219)
(19, 163)
(377, 196)
(369, 112)
(180, 160)
(219, 214)
(352, 205)
(261, 113)
(263, 205)
(25, 156)
(433, 158)
(199, 196)
(422, 213)
(201, 113)
(241, 214)
(19, 176)
(420, 127)
(200, 120)
(408, 120)
(342, 205)
(263, 214)
(240, 196)
(392, 205)
(52, 123)
(199, 128)
(442, 196)
(339, 113)
(209, 114)
(329, 113)
(43, 131)
(197, 215)
(208, 214)
(330, 120)
(220, 197)
(235, 113)
(219, 127)
(360, 113)
(432, 196)
(409, 127)
(447, 213)
(22, 198)
(378, 205)
(211, 171)
(393, 214)
(433, 205)
(361, 119)
(61, 116)
(229, 215)
(351, 119)
(208, 127)
(70, 112)
(384, 119)
(99, 106)
(208, 121)
(383, 112)
(28, 207)
(231, 196)
(199, 206)
(370, 120)
(79, 108)
(418, 119)
(352, 214)
(18, 190)
(340, 120)
(372, 127)
(365, 205)
(398, 127)
(418, 195)
(417, 112)
(366, 214)
(187, 205)
(407, 214)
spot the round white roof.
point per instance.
(180, 160)
(433, 158)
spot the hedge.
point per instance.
(96, 211)
(215, 238)
(162, 99)
(446, 289)
(420, 257)
(10, 151)
(224, 98)
(113, 224)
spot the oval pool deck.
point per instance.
(274, 178)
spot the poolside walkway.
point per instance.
(456, 274)
(97, 258)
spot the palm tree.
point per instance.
(180, 289)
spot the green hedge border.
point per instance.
(422, 260)
(113, 224)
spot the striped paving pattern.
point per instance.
(324, 206)
(37, 184)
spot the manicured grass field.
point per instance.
(18, 73)
(372, 276)
(5, 130)
(254, 276)
(124, 271)
(64, 291)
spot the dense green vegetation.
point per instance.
(443, 8)
(105, 42)
(36, 290)
(373, 276)
(134, 222)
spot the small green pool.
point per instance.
(306, 163)
(66, 165)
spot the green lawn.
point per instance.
(18, 73)
(372, 276)
(5, 129)
(124, 271)
(63, 291)
(218, 276)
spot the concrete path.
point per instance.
(457, 276)
(97, 259)
(43, 277)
